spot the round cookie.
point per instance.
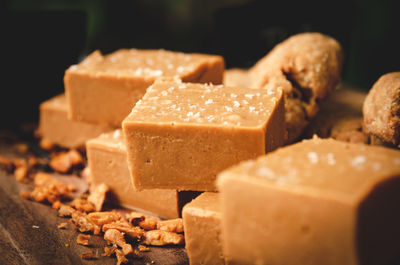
(381, 109)
(307, 66)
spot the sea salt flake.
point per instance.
(117, 134)
(358, 161)
(209, 101)
(313, 157)
(266, 173)
(331, 159)
(236, 104)
(228, 108)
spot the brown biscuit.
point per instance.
(381, 109)
(307, 66)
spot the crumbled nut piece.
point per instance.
(83, 223)
(62, 226)
(82, 205)
(120, 257)
(66, 245)
(49, 189)
(87, 255)
(46, 144)
(34, 161)
(173, 225)
(83, 239)
(123, 226)
(65, 210)
(64, 161)
(102, 218)
(149, 223)
(108, 251)
(135, 218)
(113, 236)
(98, 195)
(143, 248)
(21, 173)
(6, 163)
(25, 194)
(161, 238)
(56, 205)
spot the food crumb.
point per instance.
(87, 255)
(83, 239)
(62, 226)
(35, 226)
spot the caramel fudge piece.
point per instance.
(202, 224)
(107, 163)
(54, 125)
(381, 109)
(308, 67)
(320, 201)
(180, 135)
(236, 77)
(103, 89)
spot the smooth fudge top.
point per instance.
(207, 204)
(151, 63)
(174, 102)
(321, 164)
(58, 102)
(113, 139)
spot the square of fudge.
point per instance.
(104, 88)
(202, 225)
(181, 135)
(320, 201)
(107, 163)
(55, 127)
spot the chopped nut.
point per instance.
(113, 236)
(62, 226)
(98, 195)
(149, 223)
(25, 194)
(87, 255)
(173, 225)
(21, 173)
(102, 218)
(64, 161)
(123, 226)
(6, 163)
(65, 210)
(83, 223)
(161, 238)
(120, 257)
(108, 251)
(56, 205)
(135, 218)
(143, 248)
(46, 144)
(83, 239)
(82, 205)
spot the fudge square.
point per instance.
(103, 89)
(54, 125)
(107, 163)
(202, 225)
(181, 135)
(320, 201)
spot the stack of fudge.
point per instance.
(160, 128)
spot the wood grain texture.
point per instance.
(29, 233)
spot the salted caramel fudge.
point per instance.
(107, 163)
(104, 88)
(181, 135)
(202, 225)
(320, 201)
(55, 127)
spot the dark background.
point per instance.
(40, 39)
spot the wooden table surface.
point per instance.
(29, 233)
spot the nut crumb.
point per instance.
(62, 226)
(83, 239)
(120, 257)
(113, 236)
(82, 205)
(98, 195)
(143, 248)
(64, 161)
(161, 238)
(173, 225)
(87, 255)
(108, 251)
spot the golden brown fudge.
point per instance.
(54, 125)
(307, 66)
(202, 224)
(382, 109)
(236, 77)
(181, 135)
(103, 89)
(320, 201)
(107, 164)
